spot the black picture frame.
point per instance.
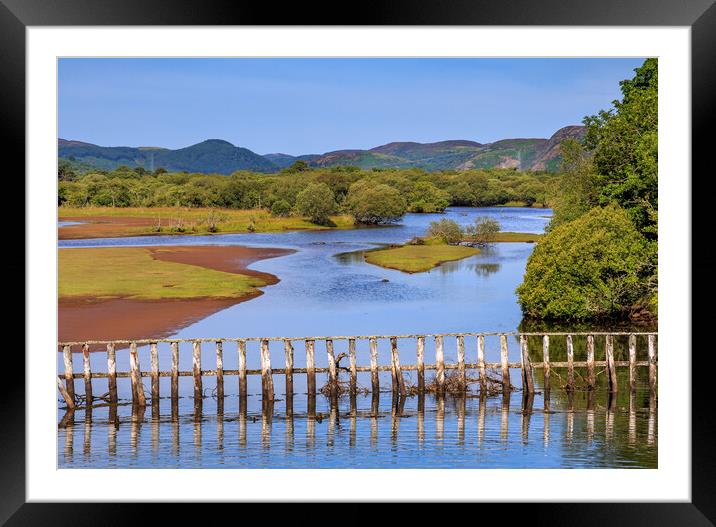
(700, 15)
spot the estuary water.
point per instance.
(326, 288)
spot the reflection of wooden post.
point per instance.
(266, 375)
(136, 376)
(154, 364)
(219, 370)
(652, 363)
(506, 385)
(69, 379)
(632, 362)
(87, 374)
(461, 361)
(611, 369)
(175, 371)
(570, 363)
(545, 359)
(112, 373)
(374, 379)
(421, 364)
(353, 367)
(196, 370)
(439, 364)
(242, 368)
(310, 367)
(481, 363)
(527, 375)
(288, 352)
(398, 382)
(591, 377)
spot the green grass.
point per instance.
(418, 258)
(517, 237)
(522, 204)
(132, 273)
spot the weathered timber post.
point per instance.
(66, 396)
(439, 365)
(652, 362)
(311, 367)
(175, 371)
(242, 369)
(398, 382)
(136, 376)
(461, 361)
(527, 374)
(69, 379)
(219, 370)
(421, 364)
(506, 385)
(632, 362)
(591, 376)
(353, 366)
(374, 379)
(87, 374)
(481, 362)
(154, 363)
(266, 374)
(112, 373)
(545, 360)
(196, 371)
(570, 363)
(611, 369)
(332, 372)
(288, 352)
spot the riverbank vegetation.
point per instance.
(418, 258)
(599, 256)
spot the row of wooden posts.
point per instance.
(398, 384)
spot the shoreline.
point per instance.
(119, 318)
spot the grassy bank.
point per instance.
(132, 272)
(418, 258)
(513, 237)
(138, 221)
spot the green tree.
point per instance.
(575, 192)
(595, 266)
(445, 230)
(482, 231)
(280, 208)
(372, 204)
(316, 202)
(426, 197)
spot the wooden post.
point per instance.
(154, 363)
(632, 362)
(611, 370)
(66, 396)
(481, 363)
(332, 372)
(461, 360)
(112, 373)
(652, 362)
(545, 360)
(219, 370)
(527, 375)
(310, 367)
(374, 379)
(87, 374)
(175, 371)
(398, 382)
(266, 375)
(421, 364)
(69, 379)
(591, 376)
(136, 376)
(242, 368)
(353, 366)
(570, 363)
(506, 385)
(288, 352)
(196, 371)
(439, 365)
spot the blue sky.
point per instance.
(301, 106)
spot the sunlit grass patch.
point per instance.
(418, 258)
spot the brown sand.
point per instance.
(125, 318)
(102, 227)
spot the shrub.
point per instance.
(280, 208)
(317, 202)
(446, 231)
(372, 204)
(595, 266)
(426, 197)
(482, 232)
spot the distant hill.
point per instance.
(218, 156)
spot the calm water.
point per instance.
(327, 289)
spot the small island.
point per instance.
(418, 258)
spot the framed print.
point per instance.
(396, 259)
